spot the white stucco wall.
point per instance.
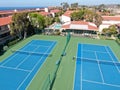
(110, 22)
(65, 19)
(106, 24)
(102, 26)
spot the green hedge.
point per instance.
(13, 42)
(118, 41)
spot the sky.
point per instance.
(22, 3)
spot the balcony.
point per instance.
(4, 39)
(4, 31)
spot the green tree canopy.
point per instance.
(57, 19)
(19, 25)
(112, 30)
(78, 15)
(65, 5)
(37, 20)
(48, 21)
(74, 5)
(87, 15)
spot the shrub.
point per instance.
(118, 41)
(5, 48)
(13, 42)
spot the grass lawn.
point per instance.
(65, 75)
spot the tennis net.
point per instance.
(98, 61)
(31, 53)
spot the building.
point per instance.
(7, 13)
(66, 17)
(108, 21)
(80, 28)
(4, 30)
(46, 14)
(54, 12)
(50, 13)
(118, 28)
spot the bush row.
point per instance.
(13, 42)
(118, 41)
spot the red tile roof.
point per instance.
(91, 26)
(5, 20)
(118, 24)
(79, 22)
(66, 26)
(18, 11)
(55, 11)
(68, 13)
(45, 13)
(111, 18)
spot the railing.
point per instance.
(4, 31)
(4, 39)
(49, 82)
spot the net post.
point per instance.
(73, 58)
(49, 79)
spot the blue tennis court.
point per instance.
(18, 70)
(97, 68)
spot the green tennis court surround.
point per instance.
(65, 74)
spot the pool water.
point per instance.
(57, 26)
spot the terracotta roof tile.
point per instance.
(5, 20)
(45, 13)
(55, 11)
(111, 18)
(79, 22)
(91, 26)
(66, 26)
(68, 13)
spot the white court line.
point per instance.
(94, 51)
(10, 58)
(112, 60)
(99, 68)
(15, 68)
(33, 69)
(101, 83)
(18, 53)
(90, 59)
(93, 44)
(81, 66)
(38, 45)
(26, 58)
(114, 54)
(12, 54)
(75, 69)
(41, 65)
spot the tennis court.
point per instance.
(97, 68)
(18, 70)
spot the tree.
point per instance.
(87, 15)
(65, 5)
(74, 5)
(97, 19)
(112, 30)
(59, 13)
(78, 15)
(106, 32)
(57, 19)
(37, 20)
(102, 6)
(19, 25)
(48, 21)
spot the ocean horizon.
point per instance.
(18, 8)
